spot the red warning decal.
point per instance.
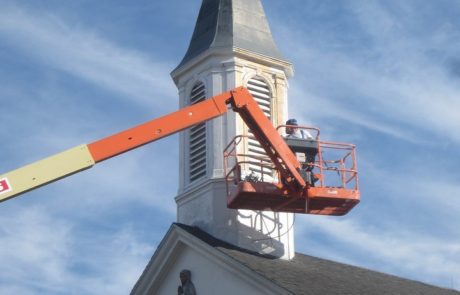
(4, 186)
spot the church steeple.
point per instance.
(231, 46)
(232, 25)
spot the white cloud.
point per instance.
(84, 54)
(391, 84)
(418, 184)
(33, 243)
(41, 252)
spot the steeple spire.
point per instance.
(231, 46)
(232, 24)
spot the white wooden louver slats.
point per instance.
(197, 139)
(261, 93)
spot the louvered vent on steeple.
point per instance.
(197, 139)
(261, 93)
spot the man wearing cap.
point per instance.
(308, 155)
(293, 132)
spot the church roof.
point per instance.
(232, 24)
(310, 275)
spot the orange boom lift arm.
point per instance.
(84, 156)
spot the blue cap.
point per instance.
(291, 122)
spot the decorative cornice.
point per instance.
(230, 53)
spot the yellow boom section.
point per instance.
(45, 171)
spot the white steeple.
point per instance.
(231, 46)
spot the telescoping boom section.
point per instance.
(292, 191)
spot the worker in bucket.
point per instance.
(294, 132)
(307, 158)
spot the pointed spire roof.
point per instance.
(232, 24)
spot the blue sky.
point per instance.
(384, 75)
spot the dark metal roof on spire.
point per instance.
(232, 24)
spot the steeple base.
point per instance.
(257, 231)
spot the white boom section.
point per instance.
(45, 171)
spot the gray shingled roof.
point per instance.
(310, 275)
(232, 24)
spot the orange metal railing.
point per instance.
(335, 164)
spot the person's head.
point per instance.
(185, 276)
(291, 129)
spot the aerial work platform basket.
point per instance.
(329, 168)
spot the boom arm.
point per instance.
(83, 157)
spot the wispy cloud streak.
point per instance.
(82, 53)
(396, 82)
(43, 255)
